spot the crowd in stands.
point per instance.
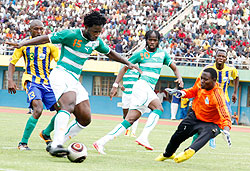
(211, 24)
(127, 20)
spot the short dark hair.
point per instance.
(94, 18)
(148, 33)
(212, 72)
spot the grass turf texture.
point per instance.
(122, 153)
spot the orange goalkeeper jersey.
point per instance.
(209, 106)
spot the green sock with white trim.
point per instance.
(151, 123)
(30, 125)
(50, 127)
(119, 129)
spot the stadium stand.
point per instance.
(211, 24)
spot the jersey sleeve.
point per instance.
(235, 73)
(54, 52)
(18, 53)
(135, 58)
(222, 108)
(167, 59)
(103, 47)
(192, 92)
(60, 37)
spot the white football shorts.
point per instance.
(126, 99)
(63, 81)
(142, 95)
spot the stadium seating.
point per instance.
(211, 24)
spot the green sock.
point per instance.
(195, 137)
(30, 125)
(50, 127)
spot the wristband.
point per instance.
(115, 85)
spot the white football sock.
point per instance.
(112, 134)
(174, 109)
(61, 122)
(73, 129)
(151, 122)
(134, 126)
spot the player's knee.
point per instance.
(37, 112)
(84, 122)
(68, 107)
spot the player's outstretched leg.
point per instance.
(119, 129)
(61, 121)
(151, 123)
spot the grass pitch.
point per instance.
(122, 153)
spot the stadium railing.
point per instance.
(179, 60)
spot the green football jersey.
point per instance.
(75, 49)
(129, 78)
(151, 63)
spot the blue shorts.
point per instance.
(175, 99)
(229, 107)
(40, 92)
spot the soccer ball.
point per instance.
(77, 152)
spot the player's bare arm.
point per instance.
(12, 87)
(117, 81)
(177, 74)
(236, 85)
(35, 41)
(116, 57)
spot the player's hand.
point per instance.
(12, 87)
(180, 82)
(177, 93)
(113, 92)
(234, 97)
(226, 136)
(13, 44)
(133, 66)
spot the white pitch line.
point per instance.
(7, 148)
(2, 169)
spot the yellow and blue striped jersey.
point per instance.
(223, 77)
(37, 60)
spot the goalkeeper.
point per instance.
(209, 114)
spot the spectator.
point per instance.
(118, 47)
(189, 58)
(235, 119)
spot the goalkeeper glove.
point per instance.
(177, 93)
(226, 136)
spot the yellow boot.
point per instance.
(184, 155)
(162, 158)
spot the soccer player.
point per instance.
(35, 78)
(150, 60)
(129, 78)
(209, 114)
(77, 45)
(224, 73)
